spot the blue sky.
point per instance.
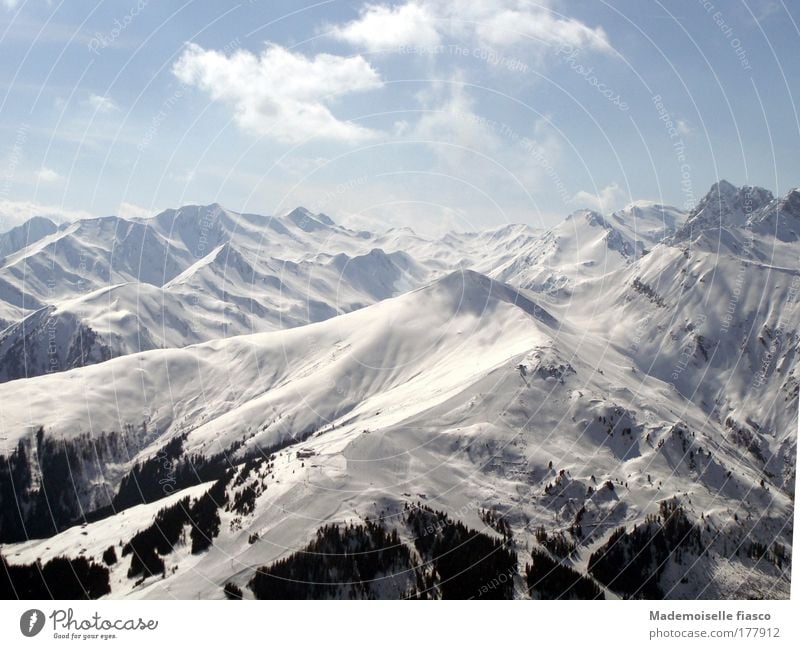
(425, 113)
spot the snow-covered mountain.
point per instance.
(95, 285)
(101, 288)
(605, 409)
(587, 245)
(26, 234)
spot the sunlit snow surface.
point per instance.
(451, 371)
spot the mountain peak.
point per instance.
(725, 206)
(307, 220)
(723, 188)
(590, 216)
(747, 198)
(468, 291)
(23, 235)
(791, 202)
(41, 221)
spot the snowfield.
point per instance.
(618, 395)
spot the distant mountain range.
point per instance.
(607, 408)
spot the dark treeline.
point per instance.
(341, 562)
(38, 498)
(467, 564)
(59, 578)
(244, 501)
(557, 543)
(151, 543)
(204, 516)
(632, 563)
(363, 561)
(549, 579)
(232, 591)
(41, 497)
(148, 546)
(169, 471)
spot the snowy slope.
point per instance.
(663, 372)
(25, 234)
(587, 245)
(185, 276)
(368, 354)
(220, 274)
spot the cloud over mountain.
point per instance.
(278, 93)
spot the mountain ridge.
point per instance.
(589, 386)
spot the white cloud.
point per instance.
(541, 26)
(101, 104)
(460, 136)
(47, 175)
(14, 213)
(400, 127)
(381, 27)
(279, 93)
(426, 23)
(10, 4)
(605, 201)
(484, 151)
(683, 127)
(133, 211)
